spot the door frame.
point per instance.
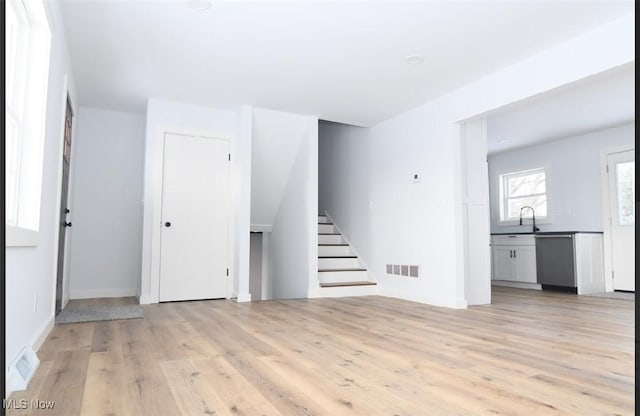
(66, 95)
(156, 226)
(606, 212)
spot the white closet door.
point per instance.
(195, 218)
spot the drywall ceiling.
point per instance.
(594, 103)
(340, 61)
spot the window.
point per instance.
(27, 43)
(626, 184)
(17, 36)
(521, 189)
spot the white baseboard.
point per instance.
(243, 297)
(42, 335)
(146, 300)
(444, 302)
(520, 285)
(479, 297)
(103, 293)
(344, 291)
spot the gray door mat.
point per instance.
(99, 313)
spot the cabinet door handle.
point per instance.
(515, 254)
(511, 254)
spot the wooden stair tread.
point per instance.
(355, 269)
(341, 284)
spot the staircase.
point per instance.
(340, 271)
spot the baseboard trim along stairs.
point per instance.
(340, 270)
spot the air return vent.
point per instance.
(407, 270)
(22, 369)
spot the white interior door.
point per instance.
(195, 218)
(622, 195)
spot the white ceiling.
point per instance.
(342, 61)
(601, 101)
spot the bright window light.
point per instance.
(27, 46)
(520, 189)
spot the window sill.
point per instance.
(20, 237)
(525, 221)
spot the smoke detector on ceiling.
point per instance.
(199, 4)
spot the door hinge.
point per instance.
(227, 272)
(229, 157)
(607, 168)
(613, 276)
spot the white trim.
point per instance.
(43, 333)
(243, 297)
(157, 172)
(520, 285)
(548, 219)
(261, 228)
(435, 301)
(606, 213)
(145, 300)
(20, 237)
(103, 293)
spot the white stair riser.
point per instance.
(334, 251)
(326, 228)
(343, 291)
(322, 219)
(341, 277)
(349, 263)
(330, 239)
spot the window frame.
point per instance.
(504, 176)
(29, 109)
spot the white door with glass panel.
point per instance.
(195, 218)
(622, 194)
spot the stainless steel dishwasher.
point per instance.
(555, 262)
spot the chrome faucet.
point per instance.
(533, 214)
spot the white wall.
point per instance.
(573, 177)
(106, 210)
(423, 223)
(30, 272)
(224, 123)
(292, 241)
(275, 140)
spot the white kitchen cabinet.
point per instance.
(514, 258)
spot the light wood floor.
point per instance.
(529, 353)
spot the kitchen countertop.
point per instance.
(550, 233)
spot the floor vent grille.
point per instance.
(22, 369)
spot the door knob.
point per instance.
(167, 224)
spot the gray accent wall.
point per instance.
(106, 208)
